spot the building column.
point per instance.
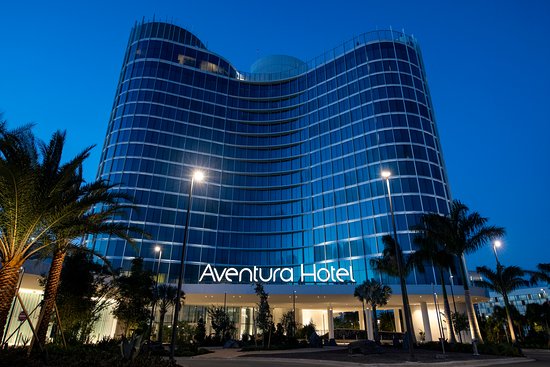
(398, 327)
(426, 321)
(370, 331)
(330, 320)
(299, 317)
(362, 320)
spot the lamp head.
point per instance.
(198, 175)
(498, 243)
(386, 174)
(157, 248)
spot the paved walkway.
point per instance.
(221, 353)
(231, 358)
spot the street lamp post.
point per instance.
(293, 313)
(496, 245)
(406, 307)
(159, 250)
(198, 176)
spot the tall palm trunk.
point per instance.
(472, 319)
(50, 295)
(375, 324)
(365, 320)
(9, 275)
(161, 323)
(447, 306)
(509, 318)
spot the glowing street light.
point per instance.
(496, 244)
(198, 176)
(406, 307)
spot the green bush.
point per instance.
(306, 331)
(538, 340)
(105, 355)
(501, 349)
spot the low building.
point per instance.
(519, 298)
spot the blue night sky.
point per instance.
(487, 64)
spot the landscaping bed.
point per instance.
(388, 355)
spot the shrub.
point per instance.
(501, 349)
(77, 356)
(306, 331)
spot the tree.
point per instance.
(387, 321)
(166, 297)
(84, 292)
(81, 221)
(288, 323)
(460, 323)
(432, 251)
(31, 203)
(504, 280)
(541, 275)
(200, 331)
(494, 326)
(463, 233)
(387, 264)
(537, 316)
(264, 319)
(135, 294)
(375, 294)
(223, 326)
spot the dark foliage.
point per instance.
(134, 296)
(105, 355)
(499, 349)
(83, 293)
(264, 319)
(200, 331)
(222, 324)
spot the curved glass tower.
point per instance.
(292, 155)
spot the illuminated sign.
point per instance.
(286, 275)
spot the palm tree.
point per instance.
(541, 275)
(375, 294)
(360, 294)
(503, 281)
(430, 250)
(165, 297)
(83, 221)
(464, 233)
(29, 207)
(387, 264)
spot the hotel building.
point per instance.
(292, 154)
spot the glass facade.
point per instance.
(292, 157)
(518, 298)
